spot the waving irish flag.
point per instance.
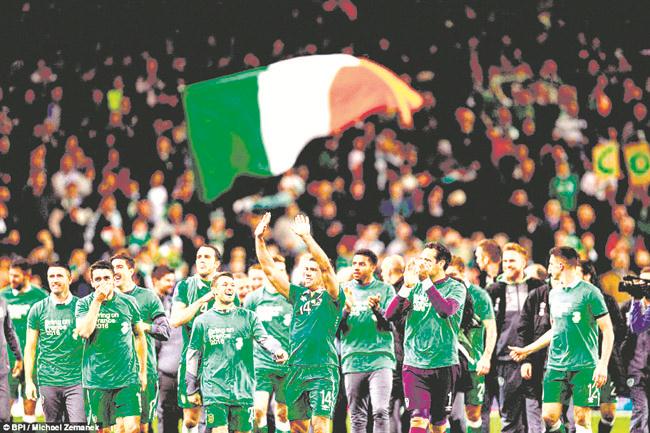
(257, 122)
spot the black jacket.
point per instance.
(497, 292)
(616, 367)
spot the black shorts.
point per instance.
(429, 393)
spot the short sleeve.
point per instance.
(34, 317)
(196, 337)
(597, 303)
(484, 309)
(180, 293)
(156, 307)
(82, 307)
(294, 292)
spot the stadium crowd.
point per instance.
(516, 99)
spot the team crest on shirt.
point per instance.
(125, 327)
(420, 302)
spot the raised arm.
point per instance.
(302, 228)
(86, 324)
(279, 279)
(182, 314)
(400, 303)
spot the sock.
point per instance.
(582, 429)
(474, 426)
(558, 427)
(29, 419)
(282, 427)
(418, 430)
(605, 426)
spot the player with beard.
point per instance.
(20, 295)
(50, 330)
(508, 295)
(192, 297)
(367, 352)
(274, 312)
(313, 380)
(433, 305)
(220, 355)
(114, 366)
(573, 368)
(155, 324)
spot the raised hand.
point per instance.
(301, 225)
(263, 225)
(373, 301)
(281, 357)
(412, 273)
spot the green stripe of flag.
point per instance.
(223, 124)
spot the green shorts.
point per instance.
(183, 403)
(149, 400)
(104, 406)
(237, 418)
(271, 381)
(311, 391)
(475, 396)
(608, 393)
(559, 386)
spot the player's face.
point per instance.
(362, 268)
(243, 287)
(123, 274)
(513, 265)
(454, 272)
(58, 280)
(206, 262)
(102, 278)
(166, 283)
(311, 275)
(17, 278)
(257, 278)
(429, 264)
(555, 267)
(225, 290)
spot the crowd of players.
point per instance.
(423, 348)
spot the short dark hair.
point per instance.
(21, 264)
(100, 264)
(589, 269)
(219, 275)
(491, 249)
(127, 258)
(367, 253)
(567, 254)
(442, 253)
(160, 271)
(217, 253)
(59, 265)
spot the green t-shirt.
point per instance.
(18, 306)
(109, 357)
(431, 341)
(60, 350)
(565, 190)
(364, 347)
(150, 309)
(225, 340)
(475, 341)
(274, 312)
(188, 291)
(316, 318)
(574, 311)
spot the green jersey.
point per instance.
(109, 357)
(574, 310)
(316, 318)
(18, 306)
(60, 350)
(274, 312)
(474, 344)
(364, 346)
(430, 341)
(188, 291)
(225, 341)
(150, 308)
